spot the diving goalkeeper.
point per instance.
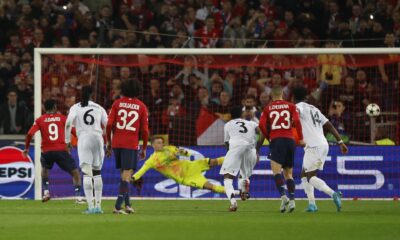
(165, 161)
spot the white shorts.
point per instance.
(314, 158)
(241, 158)
(91, 150)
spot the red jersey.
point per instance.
(52, 129)
(278, 119)
(126, 118)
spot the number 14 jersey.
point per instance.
(128, 116)
(278, 119)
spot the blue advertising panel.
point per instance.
(366, 172)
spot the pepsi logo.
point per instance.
(16, 173)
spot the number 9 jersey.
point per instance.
(277, 120)
(128, 116)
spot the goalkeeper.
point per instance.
(165, 161)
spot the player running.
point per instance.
(316, 149)
(240, 139)
(89, 119)
(190, 173)
(54, 150)
(128, 118)
(276, 124)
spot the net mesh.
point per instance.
(190, 98)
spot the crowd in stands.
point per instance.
(173, 92)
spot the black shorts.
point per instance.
(125, 159)
(281, 150)
(62, 158)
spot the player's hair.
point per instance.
(50, 104)
(131, 88)
(299, 94)
(236, 112)
(277, 91)
(157, 137)
(86, 93)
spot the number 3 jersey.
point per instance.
(278, 119)
(128, 116)
(240, 132)
(51, 127)
(89, 119)
(312, 122)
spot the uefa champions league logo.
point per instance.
(16, 173)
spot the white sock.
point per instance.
(88, 189)
(309, 190)
(98, 189)
(319, 184)
(230, 192)
(241, 184)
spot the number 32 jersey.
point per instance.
(240, 132)
(128, 116)
(277, 120)
(89, 119)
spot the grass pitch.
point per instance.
(179, 219)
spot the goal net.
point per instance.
(191, 93)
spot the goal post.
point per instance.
(39, 52)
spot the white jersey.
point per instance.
(89, 119)
(312, 122)
(240, 132)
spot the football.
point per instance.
(373, 110)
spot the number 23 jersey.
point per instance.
(277, 120)
(240, 132)
(128, 116)
(89, 119)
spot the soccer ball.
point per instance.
(373, 110)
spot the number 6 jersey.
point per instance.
(128, 116)
(89, 119)
(277, 120)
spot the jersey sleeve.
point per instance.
(146, 166)
(297, 123)
(144, 124)
(226, 132)
(68, 124)
(31, 132)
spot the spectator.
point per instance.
(249, 108)
(174, 109)
(332, 67)
(125, 73)
(338, 116)
(207, 36)
(264, 100)
(224, 108)
(13, 119)
(349, 95)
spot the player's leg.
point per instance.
(216, 162)
(215, 188)
(246, 169)
(288, 172)
(309, 190)
(67, 163)
(97, 179)
(47, 165)
(121, 191)
(230, 169)
(86, 162)
(277, 157)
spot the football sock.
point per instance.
(280, 184)
(77, 190)
(123, 190)
(88, 189)
(309, 190)
(319, 184)
(45, 184)
(98, 189)
(220, 160)
(127, 199)
(241, 184)
(230, 192)
(291, 188)
(219, 189)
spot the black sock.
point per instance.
(45, 184)
(123, 189)
(279, 182)
(127, 199)
(291, 188)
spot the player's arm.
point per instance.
(262, 125)
(297, 124)
(260, 141)
(29, 136)
(109, 129)
(183, 152)
(68, 127)
(226, 136)
(330, 128)
(144, 124)
(146, 166)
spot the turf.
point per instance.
(199, 220)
